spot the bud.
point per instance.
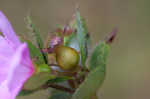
(66, 57)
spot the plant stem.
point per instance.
(59, 87)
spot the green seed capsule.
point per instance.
(66, 57)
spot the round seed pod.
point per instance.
(67, 58)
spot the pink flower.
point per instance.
(15, 63)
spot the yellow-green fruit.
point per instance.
(66, 57)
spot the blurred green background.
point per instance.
(128, 69)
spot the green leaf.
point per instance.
(25, 92)
(89, 87)
(60, 95)
(35, 53)
(40, 77)
(97, 75)
(58, 79)
(43, 68)
(37, 80)
(82, 33)
(68, 39)
(99, 55)
(36, 33)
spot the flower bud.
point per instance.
(66, 57)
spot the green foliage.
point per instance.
(72, 42)
(36, 33)
(25, 92)
(68, 39)
(37, 80)
(96, 67)
(43, 68)
(99, 56)
(60, 95)
(91, 84)
(41, 76)
(59, 79)
(97, 75)
(35, 53)
(82, 37)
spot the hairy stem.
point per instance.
(59, 87)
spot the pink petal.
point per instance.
(4, 92)
(7, 30)
(15, 63)
(6, 52)
(20, 69)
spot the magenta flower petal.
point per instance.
(15, 63)
(6, 52)
(7, 30)
(19, 70)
